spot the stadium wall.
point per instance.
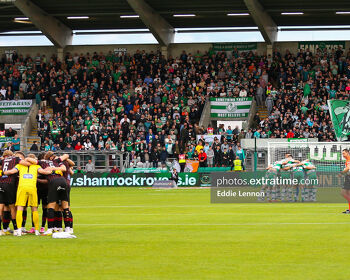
(174, 49)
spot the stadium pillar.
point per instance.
(164, 51)
(263, 20)
(57, 32)
(160, 28)
(269, 50)
(60, 54)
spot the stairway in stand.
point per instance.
(34, 133)
(262, 110)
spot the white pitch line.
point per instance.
(137, 206)
(196, 206)
(235, 224)
(220, 214)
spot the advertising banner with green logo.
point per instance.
(145, 170)
(15, 107)
(131, 180)
(314, 45)
(230, 107)
(233, 46)
(324, 179)
(340, 116)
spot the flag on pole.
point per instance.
(340, 116)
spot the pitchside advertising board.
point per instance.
(131, 180)
(251, 179)
(230, 107)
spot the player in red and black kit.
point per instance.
(67, 175)
(42, 189)
(8, 187)
(57, 190)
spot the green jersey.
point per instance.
(277, 165)
(311, 173)
(129, 146)
(307, 164)
(298, 173)
(286, 173)
(296, 169)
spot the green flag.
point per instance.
(340, 116)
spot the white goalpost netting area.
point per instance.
(326, 156)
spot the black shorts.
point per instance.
(59, 202)
(8, 193)
(42, 193)
(68, 194)
(57, 190)
(2, 194)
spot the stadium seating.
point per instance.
(150, 106)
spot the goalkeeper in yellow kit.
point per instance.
(27, 191)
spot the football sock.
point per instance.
(44, 217)
(23, 224)
(19, 217)
(58, 219)
(295, 194)
(268, 193)
(278, 193)
(6, 219)
(71, 219)
(14, 223)
(66, 216)
(50, 218)
(262, 190)
(274, 190)
(36, 219)
(314, 189)
(303, 194)
(283, 193)
(290, 193)
(0, 223)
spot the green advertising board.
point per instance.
(233, 46)
(131, 180)
(230, 107)
(325, 178)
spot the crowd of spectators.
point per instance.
(297, 103)
(150, 106)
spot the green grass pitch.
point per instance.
(132, 233)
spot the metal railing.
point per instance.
(103, 161)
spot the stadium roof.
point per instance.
(158, 15)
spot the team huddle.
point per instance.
(287, 178)
(29, 181)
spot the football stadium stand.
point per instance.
(150, 106)
(154, 106)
